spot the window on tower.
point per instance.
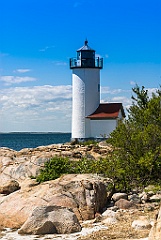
(98, 87)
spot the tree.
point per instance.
(137, 141)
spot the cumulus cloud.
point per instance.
(46, 108)
(9, 80)
(22, 70)
(122, 99)
(108, 90)
(117, 95)
(38, 108)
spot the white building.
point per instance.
(90, 119)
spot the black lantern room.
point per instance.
(86, 58)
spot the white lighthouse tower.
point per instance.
(86, 90)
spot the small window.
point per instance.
(98, 87)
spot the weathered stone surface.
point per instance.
(109, 213)
(109, 217)
(85, 193)
(110, 220)
(9, 187)
(118, 196)
(124, 204)
(155, 198)
(134, 198)
(141, 224)
(144, 197)
(155, 233)
(51, 219)
(27, 162)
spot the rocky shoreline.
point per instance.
(81, 199)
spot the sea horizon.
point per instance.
(21, 140)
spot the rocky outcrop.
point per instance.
(27, 162)
(22, 198)
(51, 219)
(85, 194)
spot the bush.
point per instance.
(89, 142)
(54, 169)
(58, 165)
(137, 142)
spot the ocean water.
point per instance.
(18, 141)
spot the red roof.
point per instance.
(107, 110)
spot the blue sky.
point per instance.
(37, 38)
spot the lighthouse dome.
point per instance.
(85, 47)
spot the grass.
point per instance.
(123, 229)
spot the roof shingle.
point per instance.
(107, 110)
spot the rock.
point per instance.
(109, 217)
(150, 193)
(134, 198)
(85, 194)
(118, 196)
(109, 213)
(155, 233)
(144, 197)
(141, 224)
(124, 204)
(110, 220)
(28, 162)
(51, 219)
(155, 198)
(9, 187)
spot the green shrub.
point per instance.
(137, 142)
(58, 165)
(54, 169)
(89, 142)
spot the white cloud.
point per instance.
(151, 90)
(23, 70)
(122, 99)
(9, 80)
(39, 108)
(105, 90)
(47, 108)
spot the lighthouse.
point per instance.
(86, 89)
(90, 119)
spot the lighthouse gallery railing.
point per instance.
(86, 63)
